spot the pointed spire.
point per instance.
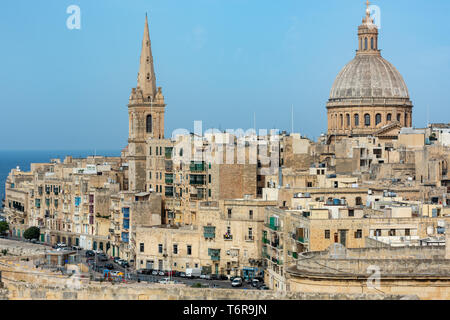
(146, 76)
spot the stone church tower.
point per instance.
(146, 115)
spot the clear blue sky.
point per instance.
(217, 60)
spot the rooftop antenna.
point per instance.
(292, 119)
(254, 121)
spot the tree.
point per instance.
(4, 226)
(32, 233)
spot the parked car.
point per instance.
(263, 287)
(145, 271)
(215, 277)
(123, 263)
(116, 259)
(256, 283)
(90, 253)
(182, 274)
(102, 257)
(155, 272)
(234, 277)
(223, 277)
(61, 245)
(208, 277)
(237, 282)
(109, 266)
(98, 251)
(116, 273)
(77, 248)
(169, 273)
(161, 273)
(165, 281)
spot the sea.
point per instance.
(22, 159)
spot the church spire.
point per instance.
(146, 77)
(368, 34)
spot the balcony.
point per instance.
(197, 167)
(272, 227)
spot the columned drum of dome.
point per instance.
(369, 94)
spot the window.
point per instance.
(358, 201)
(156, 150)
(309, 185)
(378, 233)
(149, 123)
(150, 151)
(347, 116)
(365, 44)
(351, 212)
(367, 120)
(371, 44)
(160, 248)
(141, 247)
(392, 232)
(378, 119)
(327, 234)
(407, 232)
(399, 117)
(250, 214)
(175, 249)
(229, 213)
(356, 120)
(209, 193)
(250, 233)
(358, 234)
(209, 178)
(150, 175)
(389, 117)
(189, 250)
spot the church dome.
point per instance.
(369, 76)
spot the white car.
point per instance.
(98, 251)
(165, 281)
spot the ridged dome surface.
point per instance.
(369, 76)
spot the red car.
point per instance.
(169, 273)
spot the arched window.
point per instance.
(148, 76)
(347, 116)
(406, 119)
(377, 119)
(342, 121)
(365, 43)
(399, 117)
(358, 201)
(360, 44)
(371, 43)
(149, 123)
(356, 120)
(389, 117)
(367, 120)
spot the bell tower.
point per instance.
(146, 115)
